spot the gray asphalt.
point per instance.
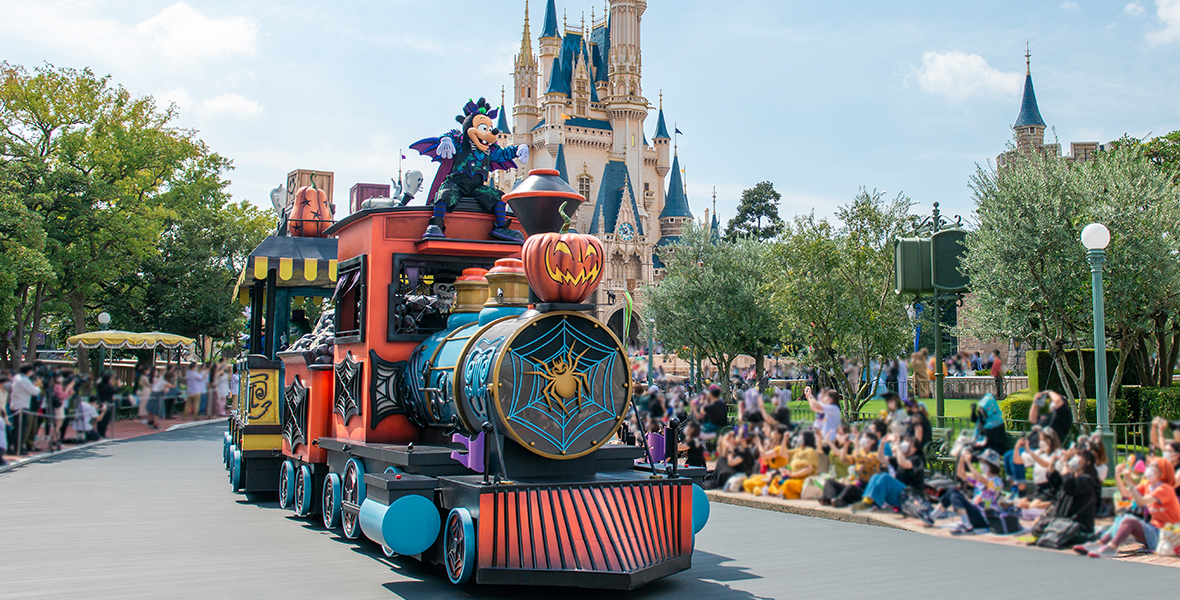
(154, 518)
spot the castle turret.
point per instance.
(1029, 126)
(662, 142)
(550, 43)
(676, 210)
(524, 112)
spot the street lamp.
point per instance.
(104, 322)
(1095, 237)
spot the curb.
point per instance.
(774, 504)
(196, 423)
(32, 459)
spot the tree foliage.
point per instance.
(105, 174)
(714, 298)
(1030, 271)
(757, 214)
(835, 287)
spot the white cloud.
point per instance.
(958, 76)
(223, 105)
(233, 105)
(1135, 9)
(1168, 13)
(1068, 5)
(180, 34)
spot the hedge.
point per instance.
(1016, 406)
(1159, 402)
(1043, 375)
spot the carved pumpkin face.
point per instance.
(311, 214)
(562, 267)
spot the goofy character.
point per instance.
(466, 157)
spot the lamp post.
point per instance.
(104, 323)
(1095, 237)
(651, 348)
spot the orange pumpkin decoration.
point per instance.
(562, 267)
(312, 214)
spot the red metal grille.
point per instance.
(608, 528)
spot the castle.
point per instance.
(1029, 128)
(578, 104)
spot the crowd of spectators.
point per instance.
(1046, 482)
(40, 404)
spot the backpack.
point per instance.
(1002, 523)
(914, 504)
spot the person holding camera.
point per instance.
(1050, 410)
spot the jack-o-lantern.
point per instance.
(562, 266)
(311, 214)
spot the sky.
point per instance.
(821, 99)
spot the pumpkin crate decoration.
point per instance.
(312, 212)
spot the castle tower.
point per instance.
(676, 210)
(661, 141)
(524, 112)
(550, 42)
(1029, 126)
(625, 103)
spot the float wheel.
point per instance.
(331, 497)
(286, 484)
(303, 491)
(235, 474)
(460, 546)
(225, 442)
(352, 490)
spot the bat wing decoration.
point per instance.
(429, 147)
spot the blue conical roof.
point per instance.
(502, 123)
(661, 128)
(1029, 113)
(560, 164)
(675, 202)
(550, 27)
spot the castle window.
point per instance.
(584, 186)
(646, 186)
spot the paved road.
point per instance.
(154, 518)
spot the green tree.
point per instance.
(714, 298)
(757, 215)
(24, 272)
(836, 288)
(106, 171)
(1030, 272)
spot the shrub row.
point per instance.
(1018, 404)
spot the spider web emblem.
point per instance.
(592, 358)
(348, 387)
(295, 419)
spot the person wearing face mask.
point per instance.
(803, 462)
(1157, 493)
(895, 413)
(987, 482)
(906, 467)
(1042, 460)
(862, 462)
(827, 412)
(1081, 490)
(989, 427)
(919, 424)
(1051, 411)
(1158, 438)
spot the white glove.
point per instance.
(522, 153)
(446, 148)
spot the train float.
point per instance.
(454, 413)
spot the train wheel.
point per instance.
(331, 498)
(460, 546)
(304, 484)
(235, 474)
(225, 443)
(286, 484)
(352, 490)
(229, 463)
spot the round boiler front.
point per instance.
(557, 383)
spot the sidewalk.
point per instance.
(890, 519)
(122, 430)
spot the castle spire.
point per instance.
(1027, 62)
(502, 123)
(661, 128)
(1030, 114)
(549, 29)
(676, 201)
(526, 40)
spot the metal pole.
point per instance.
(938, 364)
(651, 349)
(1097, 259)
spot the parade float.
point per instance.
(458, 405)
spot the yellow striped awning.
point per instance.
(296, 261)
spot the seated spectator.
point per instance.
(904, 467)
(989, 427)
(713, 415)
(1158, 438)
(838, 448)
(1058, 416)
(84, 421)
(1042, 460)
(1097, 450)
(692, 447)
(1157, 493)
(787, 482)
(782, 410)
(919, 426)
(735, 462)
(895, 414)
(987, 485)
(827, 412)
(1081, 489)
(752, 408)
(862, 466)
